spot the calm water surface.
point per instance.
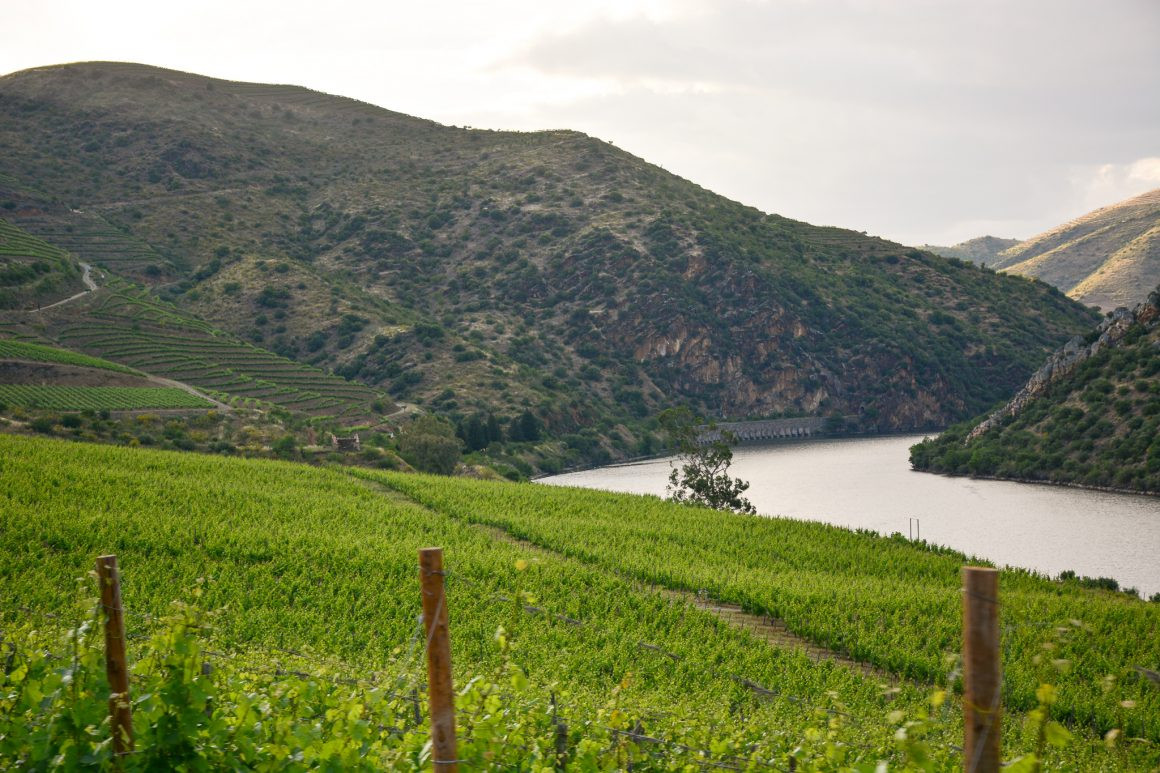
(868, 483)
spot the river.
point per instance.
(867, 483)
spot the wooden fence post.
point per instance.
(982, 670)
(442, 700)
(116, 664)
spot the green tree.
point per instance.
(704, 457)
(526, 427)
(429, 444)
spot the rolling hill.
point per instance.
(500, 272)
(1106, 258)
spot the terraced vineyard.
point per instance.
(130, 326)
(32, 271)
(85, 234)
(314, 574)
(23, 350)
(99, 398)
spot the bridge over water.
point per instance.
(770, 429)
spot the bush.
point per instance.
(43, 424)
(429, 444)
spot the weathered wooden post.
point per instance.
(982, 670)
(442, 700)
(116, 663)
(561, 744)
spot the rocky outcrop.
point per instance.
(1065, 360)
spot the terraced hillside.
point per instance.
(98, 398)
(45, 378)
(1106, 258)
(33, 272)
(498, 272)
(126, 324)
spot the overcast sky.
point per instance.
(917, 120)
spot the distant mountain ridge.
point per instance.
(480, 272)
(985, 250)
(1106, 258)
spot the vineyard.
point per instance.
(886, 602)
(22, 350)
(99, 398)
(84, 234)
(130, 326)
(312, 657)
(32, 271)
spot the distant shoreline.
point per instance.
(1064, 484)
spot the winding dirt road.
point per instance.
(86, 277)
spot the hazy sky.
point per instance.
(918, 120)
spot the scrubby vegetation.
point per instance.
(1099, 426)
(33, 272)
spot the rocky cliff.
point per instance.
(1063, 362)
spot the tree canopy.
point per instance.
(704, 455)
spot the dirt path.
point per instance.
(89, 283)
(218, 404)
(773, 631)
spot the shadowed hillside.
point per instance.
(1090, 415)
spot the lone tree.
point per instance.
(704, 455)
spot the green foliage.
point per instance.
(1096, 427)
(704, 457)
(883, 601)
(429, 444)
(313, 662)
(525, 427)
(21, 350)
(33, 272)
(132, 326)
(78, 398)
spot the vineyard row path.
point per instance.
(769, 629)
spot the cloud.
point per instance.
(906, 118)
(909, 119)
(1110, 183)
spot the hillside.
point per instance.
(1090, 415)
(481, 272)
(592, 606)
(984, 250)
(33, 273)
(1106, 258)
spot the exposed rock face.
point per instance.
(1064, 361)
